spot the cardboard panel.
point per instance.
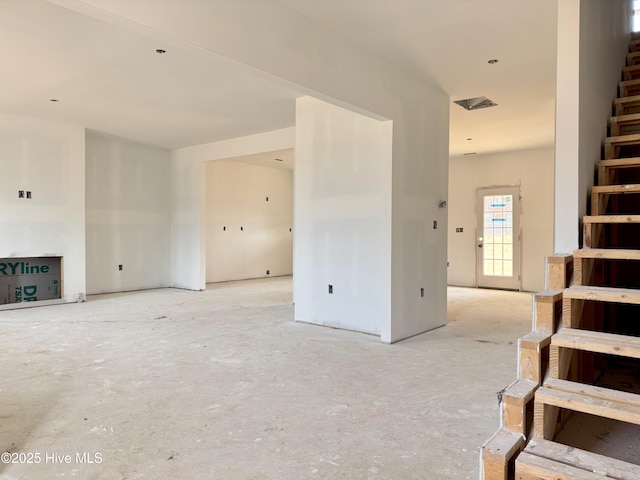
(30, 279)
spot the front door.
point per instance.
(498, 239)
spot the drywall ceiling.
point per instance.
(108, 77)
(451, 42)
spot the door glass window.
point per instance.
(498, 236)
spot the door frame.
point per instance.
(501, 283)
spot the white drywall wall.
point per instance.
(188, 192)
(246, 233)
(593, 38)
(188, 227)
(312, 59)
(341, 215)
(48, 160)
(128, 215)
(533, 171)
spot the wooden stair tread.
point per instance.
(611, 219)
(588, 461)
(629, 82)
(535, 340)
(607, 253)
(599, 342)
(620, 162)
(607, 189)
(498, 452)
(626, 105)
(521, 390)
(628, 87)
(548, 295)
(503, 442)
(629, 72)
(623, 139)
(532, 467)
(630, 117)
(602, 294)
(633, 58)
(625, 100)
(579, 397)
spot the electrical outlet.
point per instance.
(435, 224)
(331, 289)
(20, 193)
(422, 292)
(28, 194)
(120, 267)
(268, 272)
(459, 229)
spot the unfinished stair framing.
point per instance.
(584, 321)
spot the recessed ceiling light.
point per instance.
(278, 160)
(493, 61)
(160, 51)
(54, 100)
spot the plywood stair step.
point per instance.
(600, 195)
(634, 45)
(607, 168)
(544, 459)
(631, 73)
(612, 145)
(627, 105)
(579, 397)
(628, 88)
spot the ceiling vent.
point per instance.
(476, 103)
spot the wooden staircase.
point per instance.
(585, 323)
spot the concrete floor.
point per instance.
(222, 384)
